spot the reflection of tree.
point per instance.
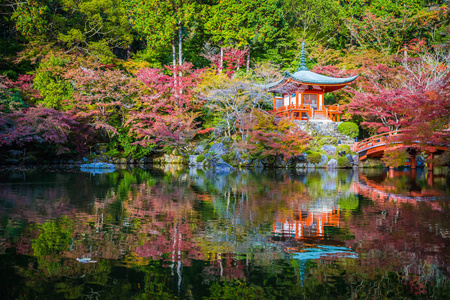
(54, 237)
(156, 282)
(235, 290)
(206, 236)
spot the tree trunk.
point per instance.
(221, 60)
(180, 50)
(248, 58)
(180, 44)
(174, 64)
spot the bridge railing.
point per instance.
(374, 141)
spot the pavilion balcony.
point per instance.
(309, 113)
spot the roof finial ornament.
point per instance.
(303, 59)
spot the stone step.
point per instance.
(319, 117)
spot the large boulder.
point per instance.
(329, 149)
(323, 161)
(301, 158)
(280, 162)
(222, 168)
(355, 159)
(219, 149)
(199, 149)
(332, 164)
(193, 161)
(349, 158)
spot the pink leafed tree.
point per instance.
(168, 108)
(42, 125)
(24, 84)
(413, 97)
(229, 59)
(101, 98)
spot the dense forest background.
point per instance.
(144, 77)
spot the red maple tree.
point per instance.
(167, 110)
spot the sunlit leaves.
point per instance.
(269, 138)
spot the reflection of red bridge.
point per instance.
(383, 192)
(377, 144)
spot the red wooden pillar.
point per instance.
(274, 103)
(430, 164)
(391, 172)
(413, 175)
(412, 157)
(430, 178)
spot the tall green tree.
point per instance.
(243, 23)
(162, 22)
(93, 27)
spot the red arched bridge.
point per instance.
(376, 145)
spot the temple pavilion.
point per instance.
(300, 96)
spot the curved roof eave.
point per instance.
(308, 77)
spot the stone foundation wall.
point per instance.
(325, 128)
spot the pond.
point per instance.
(253, 234)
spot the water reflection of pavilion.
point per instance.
(306, 223)
(302, 236)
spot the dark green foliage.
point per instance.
(235, 290)
(50, 83)
(348, 128)
(53, 238)
(10, 101)
(200, 158)
(343, 162)
(314, 157)
(344, 148)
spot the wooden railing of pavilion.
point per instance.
(295, 112)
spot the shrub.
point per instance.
(200, 158)
(349, 129)
(51, 84)
(314, 157)
(344, 148)
(343, 162)
(318, 142)
(395, 158)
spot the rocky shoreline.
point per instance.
(332, 150)
(217, 158)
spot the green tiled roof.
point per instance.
(308, 77)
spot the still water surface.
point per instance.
(177, 233)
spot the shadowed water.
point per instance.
(186, 233)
